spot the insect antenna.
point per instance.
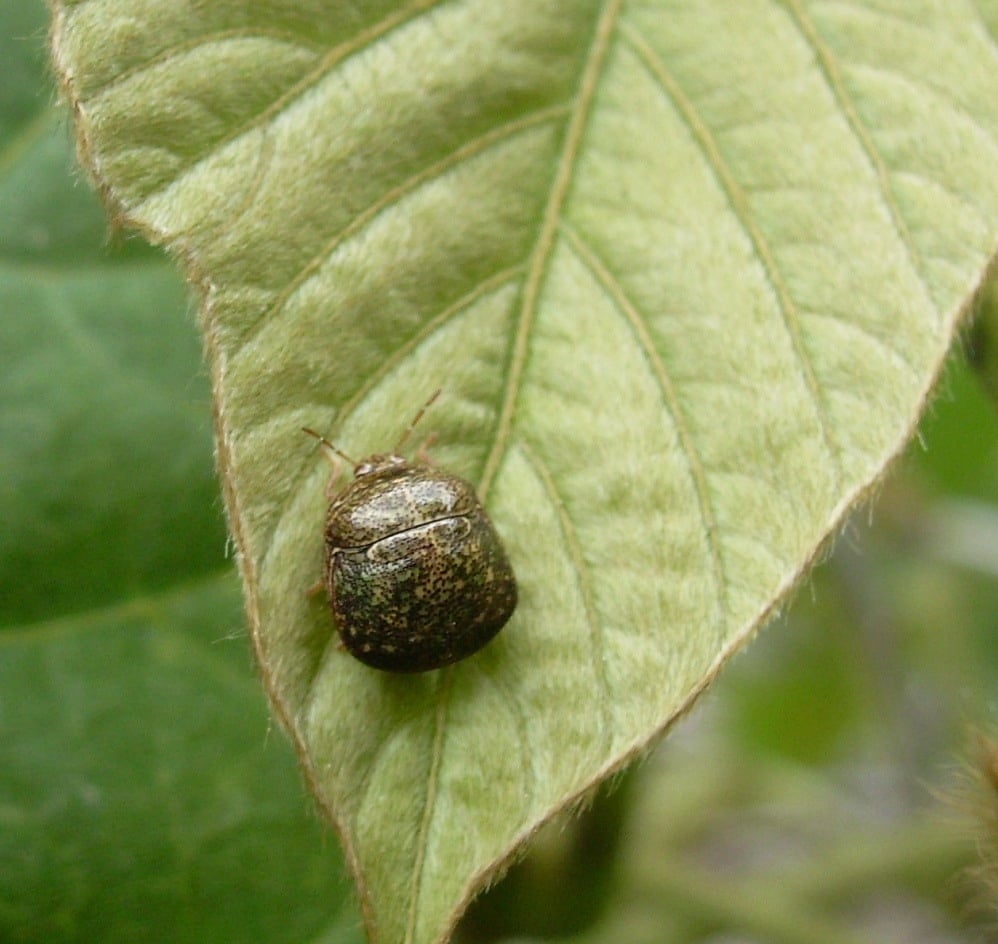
(436, 393)
(327, 445)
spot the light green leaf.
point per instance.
(686, 273)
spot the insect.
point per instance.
(416, 575)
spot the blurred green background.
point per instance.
(144, 796)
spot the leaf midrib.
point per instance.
(589, 80)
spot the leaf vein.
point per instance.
(337, 54)
(967, 201)
(736, 200)
(527, 765)
(30, 132)
(833, 78)
(584, 582)
(600, 43)
(694, 462)
(925, 88)
(128, 607)
(894, 353)
(229, 220)
(432, 785)
(218, 38)
(393, 196)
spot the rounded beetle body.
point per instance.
(416, 574)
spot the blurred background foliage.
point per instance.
(820, 792)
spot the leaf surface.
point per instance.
(686, 272)
(140, 798)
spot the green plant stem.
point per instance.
(921, 856)
(762, 908)
(795, 905)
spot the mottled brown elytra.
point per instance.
(416, 575)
